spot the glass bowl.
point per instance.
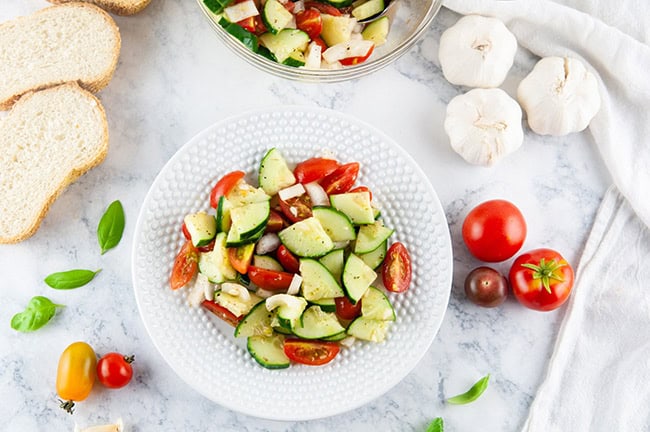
(412, 18)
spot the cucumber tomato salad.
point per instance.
(299, 265)
(305, 33)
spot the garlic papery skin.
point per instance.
(484, 125)
(560, 96)
(477, 51)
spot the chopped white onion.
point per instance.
(294, 287)
(197, 292)
(236, 290)
(348, 341)
(261, 292)
(240, 11)
(291, 192)
(331, 66)
(313, 56)
(118, 426)
(351, 48)
(267, 244)
(298, 6)
(278, 300)
(317, 194)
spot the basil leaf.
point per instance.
(437, 425)
(70, 279)
(111, 226)
(471, 394)
(39, 311)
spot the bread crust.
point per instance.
(93, 85)
(117, 7)
(73, 175)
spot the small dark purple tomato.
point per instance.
(486, 287)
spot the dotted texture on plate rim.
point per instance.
(203, 350)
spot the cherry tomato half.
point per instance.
(114, 370)
(297, 208)
(276, 222)
(221, 312)
(342, 179)
(287, 259)
(323, 8)
(186, 233)
(541, 279)
(240, 257)
(270, 280)
(313, 353)
(396, 270)
(310, 22)
(314, 169)
(350, 61)
(224, 185)
(345, 309)
(185, 266)
(494, 230)
(75, 374)
(320, 42)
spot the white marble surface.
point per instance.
(175, 78)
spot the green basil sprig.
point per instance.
(472, 394)
(437, 425)
(111, 226)
(70, 279)
(39, 311)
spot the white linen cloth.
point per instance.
(599, 376)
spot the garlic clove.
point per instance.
(477, 51)
(118, 426)
(484, 125)
(560, 96)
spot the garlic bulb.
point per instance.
(484, 125)
(477, 51)
(559, 95)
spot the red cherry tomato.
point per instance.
(313, 353)
(206, 248)
(541, 279)
(362, 189)
(310, 22)
(345, 309)
(276, 222)
(186, 233)
(288, 260)
(248, 24)
(323, 8)
(486, 287)
(240, 257)
(314, 169)
(396, 270)
(320, 42)
(114, 370)
(222, 312)
(297, 208)
(185, 266)
(289, 6)
(342, 179)
(270, 280)
(494, 230)
(350, 61)
(224, 185)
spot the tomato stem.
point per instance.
(546, 271)
(129, 359)
(68, 406)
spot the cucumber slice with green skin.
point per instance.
(295, 59)
(377, 31)
(243, 194)
(215, 264)
(274, 174)
(223, 221)
(235, 304)
(335, 223)
(356, 206)
(257, 322)
(306, 238)
(375, 305)
(217, 6)
(235, 240)
(317, 282)
(288, 309)
(248, 220)
(268, 351)
(376, 212)
(369, 329)
(244, 36)
(326, 304)
(357, 277)
(374, 258)
(267, 262)
(336, 29)
(202, 228)
(336, 337)
(316, 324)
(275, 16)
(368, 9)
(285, 42)
(371, 236)
(339, 3)
(334, 262)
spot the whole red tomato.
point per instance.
(541, 279)
(494, 230)
(114, 370)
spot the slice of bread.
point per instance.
(48, 139)
(118, 7)
(72, 42)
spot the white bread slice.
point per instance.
(72, 42)
(48, 139)
(118, 7)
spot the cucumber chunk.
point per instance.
(368, 9)
(306, 238)
(235, 304)
(357, 277)
(295, 59)
(235, 240)
(326, 304)
(244, 36)
(267, 262)
(202, 228)
(223, 215)
(274, 174)
(375, 305)
(215, 264)
(257, 322)
(369, 329)
(243, 194)
(275, 16)
(375, 258)
(285, 42)
(316, 324)
(337, 29)
(289, 309)
(356, 206)
(317, 282)
(268, 351)
(334, 262)
(250, 219)
(377, 31)
(371, 236)
(335, 223)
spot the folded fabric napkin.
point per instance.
(599, 376)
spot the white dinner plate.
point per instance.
(203, 351)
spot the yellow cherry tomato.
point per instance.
(76, 374)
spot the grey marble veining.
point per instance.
(174, 79)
